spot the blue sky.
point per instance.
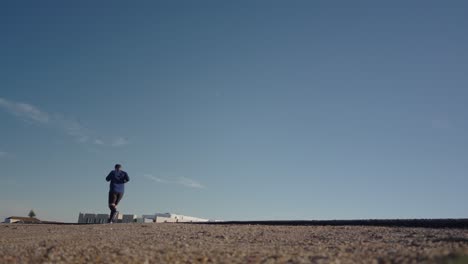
(235, 110)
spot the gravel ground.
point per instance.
(198, 243)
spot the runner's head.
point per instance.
(117, 167)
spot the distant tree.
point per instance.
(32, 214)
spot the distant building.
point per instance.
(92, 218)
(22, 220)
(171, 218)
(128, 218)
(102, 218)
(85, 218)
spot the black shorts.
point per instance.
(115, 197)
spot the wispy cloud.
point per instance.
(156, 179)
(184, 181)
(98, 142)
(120, 141)
(69, 126)
(24, 111)
(73, 128)
(189, 183)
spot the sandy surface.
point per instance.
(187, 243)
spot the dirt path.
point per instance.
(186, 243)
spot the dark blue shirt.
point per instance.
(117, 180)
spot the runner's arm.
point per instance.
(108, 178)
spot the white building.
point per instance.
(22, 220)
(171, 218)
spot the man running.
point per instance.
(117, 180)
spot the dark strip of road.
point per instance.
(428, 223)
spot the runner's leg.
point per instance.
(118, 196)
(112, 205)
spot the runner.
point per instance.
(117, 179)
